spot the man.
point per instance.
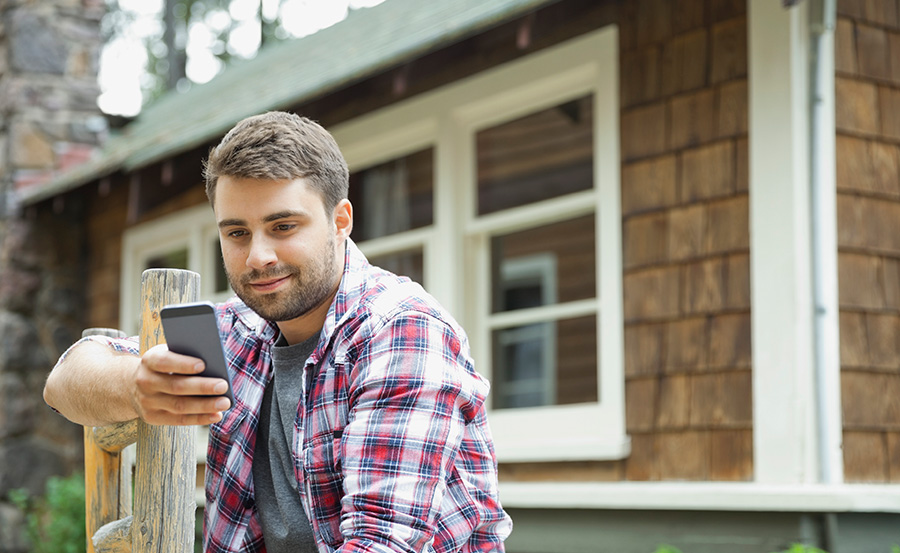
(359, 421)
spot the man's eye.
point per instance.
(237, 234)
(284, 227)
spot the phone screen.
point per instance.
(191, 329)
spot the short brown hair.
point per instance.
(278, 145)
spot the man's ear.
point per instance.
(343, 219)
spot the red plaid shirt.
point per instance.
(392, 449)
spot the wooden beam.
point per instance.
(114, 537)
(166, 466)
(107, 473)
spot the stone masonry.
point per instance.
(49, 121)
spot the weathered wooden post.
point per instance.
(165, 477)
(166, 470)
(107, 466)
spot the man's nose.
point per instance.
(262, 254)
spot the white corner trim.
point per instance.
(784, 418)
(701, 496)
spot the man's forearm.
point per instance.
(92, 385)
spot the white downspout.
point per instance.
(824, 242)
(823, 232)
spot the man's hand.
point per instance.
(95, 386)
(166, 390)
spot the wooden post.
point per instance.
(166, 467)
(107, 475)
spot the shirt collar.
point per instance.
(352, 283)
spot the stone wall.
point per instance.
(49, 121)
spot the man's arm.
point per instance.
(413, 399)
(95, 385)
(89, 385)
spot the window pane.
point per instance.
(175, 259)
(550, 363)
(393, 197)
(219, 264)
(410, 264)
(544, 265)
(538, 157)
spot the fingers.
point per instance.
(160, 359)
(182, 411)
(163, 418)
(167, 393)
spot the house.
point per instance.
(670, 227)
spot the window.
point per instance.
(524, 356)
(500, 194)
(186, 240)
(390, 198)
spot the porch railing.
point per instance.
(159, 518)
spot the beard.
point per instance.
(307, 288)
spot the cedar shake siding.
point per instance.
(867, 83)
(686, 239)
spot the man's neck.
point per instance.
(304, 327)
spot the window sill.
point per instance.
(702, 496)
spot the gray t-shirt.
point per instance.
(285, 527)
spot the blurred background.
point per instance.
(671, 229)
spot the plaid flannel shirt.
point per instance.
(392, 449)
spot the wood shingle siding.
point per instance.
(686, 241)
(867, 61)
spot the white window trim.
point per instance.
(455, 246)
(193, 228)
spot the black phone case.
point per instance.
(191, 329)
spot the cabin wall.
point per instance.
(685, 217)
(686, 234)
(685, 227)
(867, 87)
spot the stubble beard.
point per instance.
(308, 288)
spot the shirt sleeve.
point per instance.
(121, 345)
(413, 389)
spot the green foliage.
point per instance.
(54, 522)
(800, 548)
(667, 549)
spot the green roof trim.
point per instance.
(367, 42)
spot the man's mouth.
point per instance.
(269, 284)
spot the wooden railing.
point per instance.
(162, 517)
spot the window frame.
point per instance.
(456, 246)
(193, 228)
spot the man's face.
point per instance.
(280, 247)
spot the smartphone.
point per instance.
(191, 329)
